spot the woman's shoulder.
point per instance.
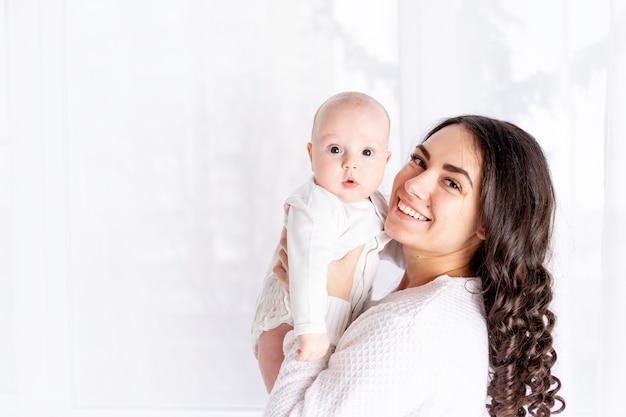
(431, 337)
(441, 290)
(445, 305)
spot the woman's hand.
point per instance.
(281, 268)
(340, 272)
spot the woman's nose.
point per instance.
(419, 186)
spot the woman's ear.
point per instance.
(480, 232)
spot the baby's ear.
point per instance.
(309, 149)
(388, 155)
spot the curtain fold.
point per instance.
(612, 361)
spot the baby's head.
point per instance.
(349, 145)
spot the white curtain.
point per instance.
(146, 147)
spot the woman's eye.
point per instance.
(417, 160)
(334, 149)
(367, 152)
(452, 184)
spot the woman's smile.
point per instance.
(410, 212)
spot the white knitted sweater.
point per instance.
(418, 352)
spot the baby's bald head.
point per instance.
(350, 99)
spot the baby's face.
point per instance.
(349, 150)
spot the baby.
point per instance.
(339, 209)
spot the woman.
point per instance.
(468, 330)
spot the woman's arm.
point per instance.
(413, 354)
(351, 377)
(371, 373)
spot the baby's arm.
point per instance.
(338, 285)
(311, 233)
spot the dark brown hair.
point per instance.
(518, 203)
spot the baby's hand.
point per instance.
(312, 346)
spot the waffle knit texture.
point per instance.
(422, 351)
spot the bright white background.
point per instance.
(146, 147)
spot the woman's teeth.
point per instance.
(409, 211)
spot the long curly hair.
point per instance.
(518, 204)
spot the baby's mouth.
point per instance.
(410, 212)
(350, 182)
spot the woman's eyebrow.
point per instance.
(424, 151)
(447, 167)
(452, 168)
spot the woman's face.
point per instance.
(434, 204)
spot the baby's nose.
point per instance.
(349, 162)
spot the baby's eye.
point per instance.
(334, 149)
(367, 152)
(417, 160)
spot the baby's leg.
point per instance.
(270, 353)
